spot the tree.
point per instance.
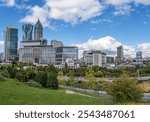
(60, 78)
(125, 89)
(41, 77)
(52, 80)
(90, 78)
(71, 80)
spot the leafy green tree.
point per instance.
(41, 77)
(125, 89)
(52, 80)
(71, 79)
(90, 78)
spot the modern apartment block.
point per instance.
(11, 44)
(94, 58)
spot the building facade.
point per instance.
(110, 59)
(11, 44)
(38, 30)
(94, 58)
(56, 43)
(27, 32)
(139, 58)
(42, 54)
(66, 52)
(120, 54)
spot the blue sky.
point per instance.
(89, 24)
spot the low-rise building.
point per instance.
(94, 58)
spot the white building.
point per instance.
(94, 58)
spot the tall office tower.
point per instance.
(11, 44)
(27, 32)
(139, 58)
(38, 30)
(120, 55)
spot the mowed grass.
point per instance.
(13, 92)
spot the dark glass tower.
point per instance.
(11, 44)
(38, 30)
(27, 32)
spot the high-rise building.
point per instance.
(139, 59)
(27, 32)
(11, 44)
(120, 55)
(38, 30)
(94, 58)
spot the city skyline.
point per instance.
(105, 26)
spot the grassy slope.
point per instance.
(16, 93)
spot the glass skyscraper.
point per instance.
(11, 44)
(38, 30)
(27, 32)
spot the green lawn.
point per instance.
(13, 92)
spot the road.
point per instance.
(98, 93)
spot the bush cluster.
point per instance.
(45, 76)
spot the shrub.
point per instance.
(22, 76)
(1, 78)
(33, 83)
(125, 89)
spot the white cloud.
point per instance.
(100, 21)
(122, 10)
(36, 13)
(106, 44)
(71, 11)
(145, 48)
(144, 2)
(10, 3)
(117, 2)
(1, 42)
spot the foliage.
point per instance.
(60, 78)
(90, 78)
(125, 89)
(1, 78)
(12, 71)
(99, 74)
(71, 80)
(41, 77)
(22, 76)
(33, 83)
(52, 80)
